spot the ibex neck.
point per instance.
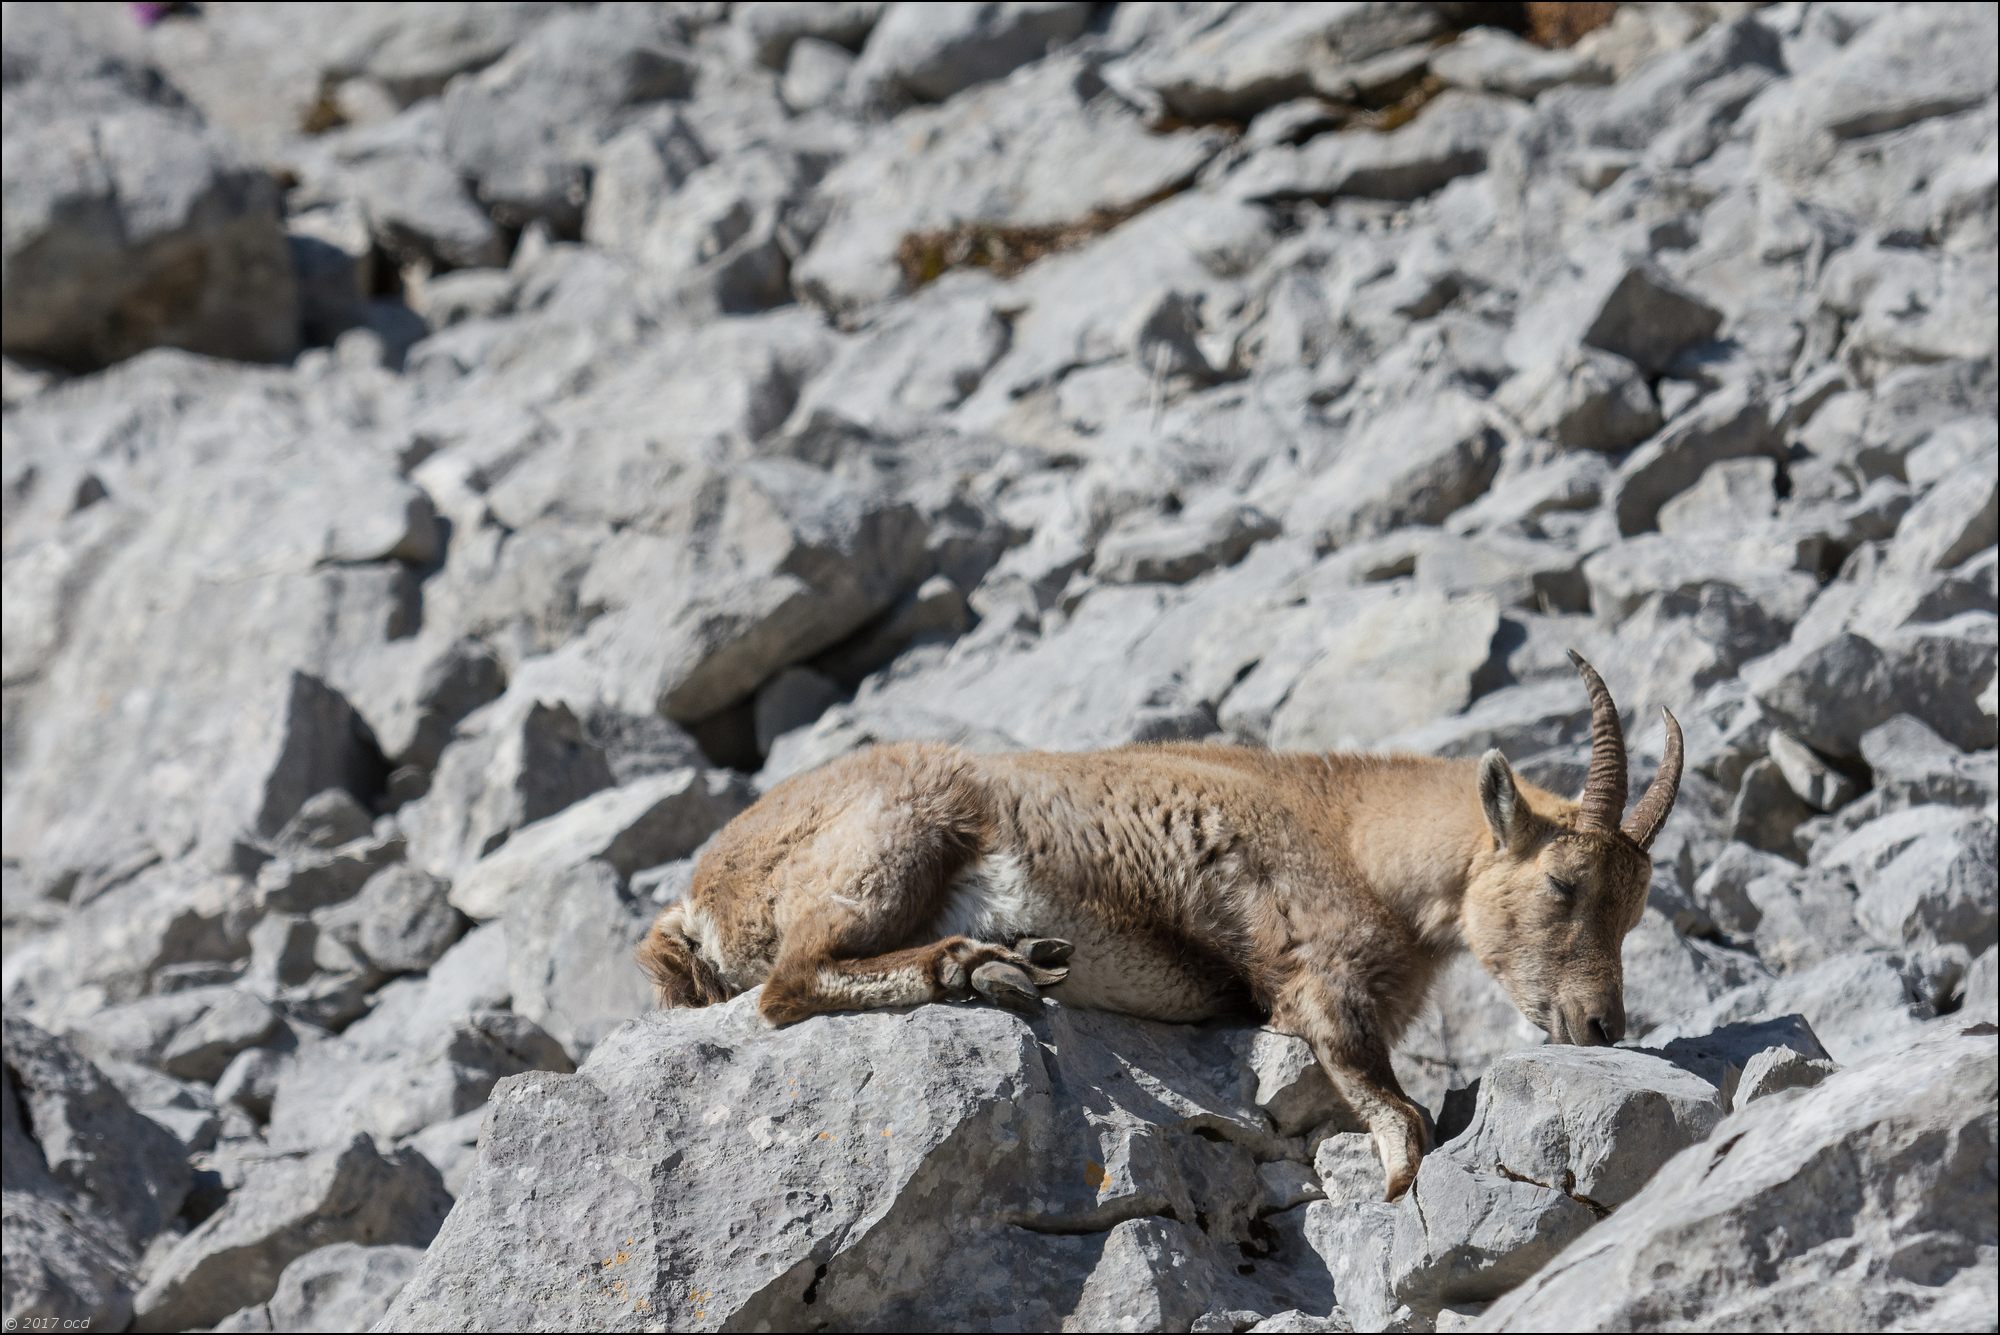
(1415, 829)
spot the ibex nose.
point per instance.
(1605, 1030)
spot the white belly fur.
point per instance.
(994, 899)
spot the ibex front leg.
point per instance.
(1341, 1022)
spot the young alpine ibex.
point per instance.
(1180, 882)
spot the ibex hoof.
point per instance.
(1047, 951)
(1005, 985)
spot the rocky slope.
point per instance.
(455, 456)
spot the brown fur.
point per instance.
(681, 977)
(1324, 892)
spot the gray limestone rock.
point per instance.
(1790, 1171)
(285, 1209)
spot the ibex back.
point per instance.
(1181, 882)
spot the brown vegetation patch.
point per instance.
(1005, 248)
(1558, 25)
(324, 114)
(1401, 111)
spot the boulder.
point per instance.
(1904, 71)
(1925, 877)
(792, 699)
(187, 1109)
(1348, 1169)
(1722, 1055)
(406, 922)
(569, 955)
(816, 74)
(411, 200)
(1778, 1069)
(63, 1260)
(522, 130)
(1695, 75)
(1766, 566)
(1906, 757)
(787, 562)
(1393, 662)
(1633, 310)
(1830, 690)
(1861, 1003)
(1076, 686)
(203, 1050)
(131, 224)
(1733, 493)
(1536, 576)
(1803, 918)
(1496, 61)
(639, 825)
(1523, 721)
(128, 940)
(774, 29)
(285, 1209)
(1952, 523)
(1177, 549)
(346, 1286)
(453, 1147)
(86, 1138)
(1797, 1172)
(919, 360)
(1491, 1232)
(927, 52)
(1594, 1124)
(724, 232)
(307, 878)
(1449, 139)
(1731, 424)
(428, 1050)
(1818, 784)
(1048, 147)
(1414, 465)
(250, 1081)
(1541, 502)
(191, 1033)
(515, 762)
(1766, 813)
(1559, 1138)
(1585, 398)
(324, 822)
(689, 1092)
(1238, 63)
(268, 648)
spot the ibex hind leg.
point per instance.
(833, 960)
(954, 969)
(864, 890)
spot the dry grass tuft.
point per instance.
(1008, 248)
(1005, 248)
(1401, 111)
(324, 114)
(1558, 25)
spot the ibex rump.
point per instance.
(1181, 882)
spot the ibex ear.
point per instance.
(1506, 813)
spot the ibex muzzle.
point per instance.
(1178, 882)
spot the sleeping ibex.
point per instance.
(1180, 882)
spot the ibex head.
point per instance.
(1547, 910)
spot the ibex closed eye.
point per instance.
(1179, 882)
